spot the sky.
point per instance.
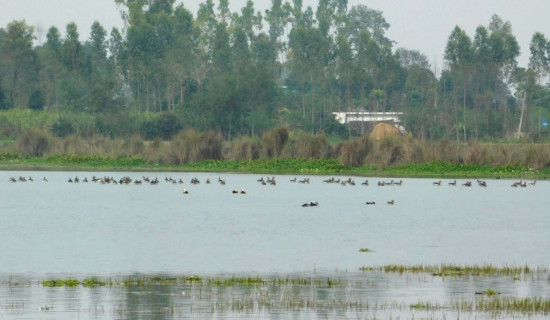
(422, 25)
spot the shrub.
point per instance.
(193, 146)
(36, 100)
(62, 128)
(353, 153)
(306, 145)
(273, 142)
(33, 142)
(475, 154)
(163, 127)
(244, 148)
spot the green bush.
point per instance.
(36, 100)
(62, 128)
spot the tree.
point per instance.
(539, 59)
(36, 100)
(17, 52)
(363, 18)
(52, 67)
(459, 55)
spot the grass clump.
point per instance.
(444, 270)
(365, 250)
(246, 281)
(193, 278)
(69, 282)
(93, 282)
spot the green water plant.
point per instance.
(69, 282)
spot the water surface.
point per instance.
(57, 228)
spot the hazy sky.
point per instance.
(423, 25)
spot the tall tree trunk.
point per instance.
(524, 96)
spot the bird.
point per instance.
(185, 191)
(371, 202)
(242, 191)
(391, 202)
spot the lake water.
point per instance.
(60, 229)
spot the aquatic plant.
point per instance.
(93, 282)
(457, 270)
(69, 282)
(365, 250)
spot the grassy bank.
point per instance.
(9, 161)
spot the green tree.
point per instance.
(17, 54)
(459, 55)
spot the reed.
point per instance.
(458, 270)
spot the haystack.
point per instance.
(382, 130)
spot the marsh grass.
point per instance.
(458, 270)
(195, 279)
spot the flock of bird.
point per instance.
(263, 181)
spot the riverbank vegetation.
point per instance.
(280, 151)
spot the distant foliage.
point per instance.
(163, 127)
(273, 142)
(62, 128)
(33, 142)
(36, 100)
(193, 146)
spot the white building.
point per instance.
(370, 118)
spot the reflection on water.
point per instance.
(60, 229)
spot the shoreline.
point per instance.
(302, 167)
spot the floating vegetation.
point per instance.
(93, 282)
(489, 292)
(69, 282)
(195, 279)
(444, 270)
(365, 250)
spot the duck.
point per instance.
(370, 202)
(242, 191)
(437, 183)
(235, 191)
(452, 183)
(311, 204)
(391, 202)
(185, 191)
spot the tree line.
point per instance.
(244, 73)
